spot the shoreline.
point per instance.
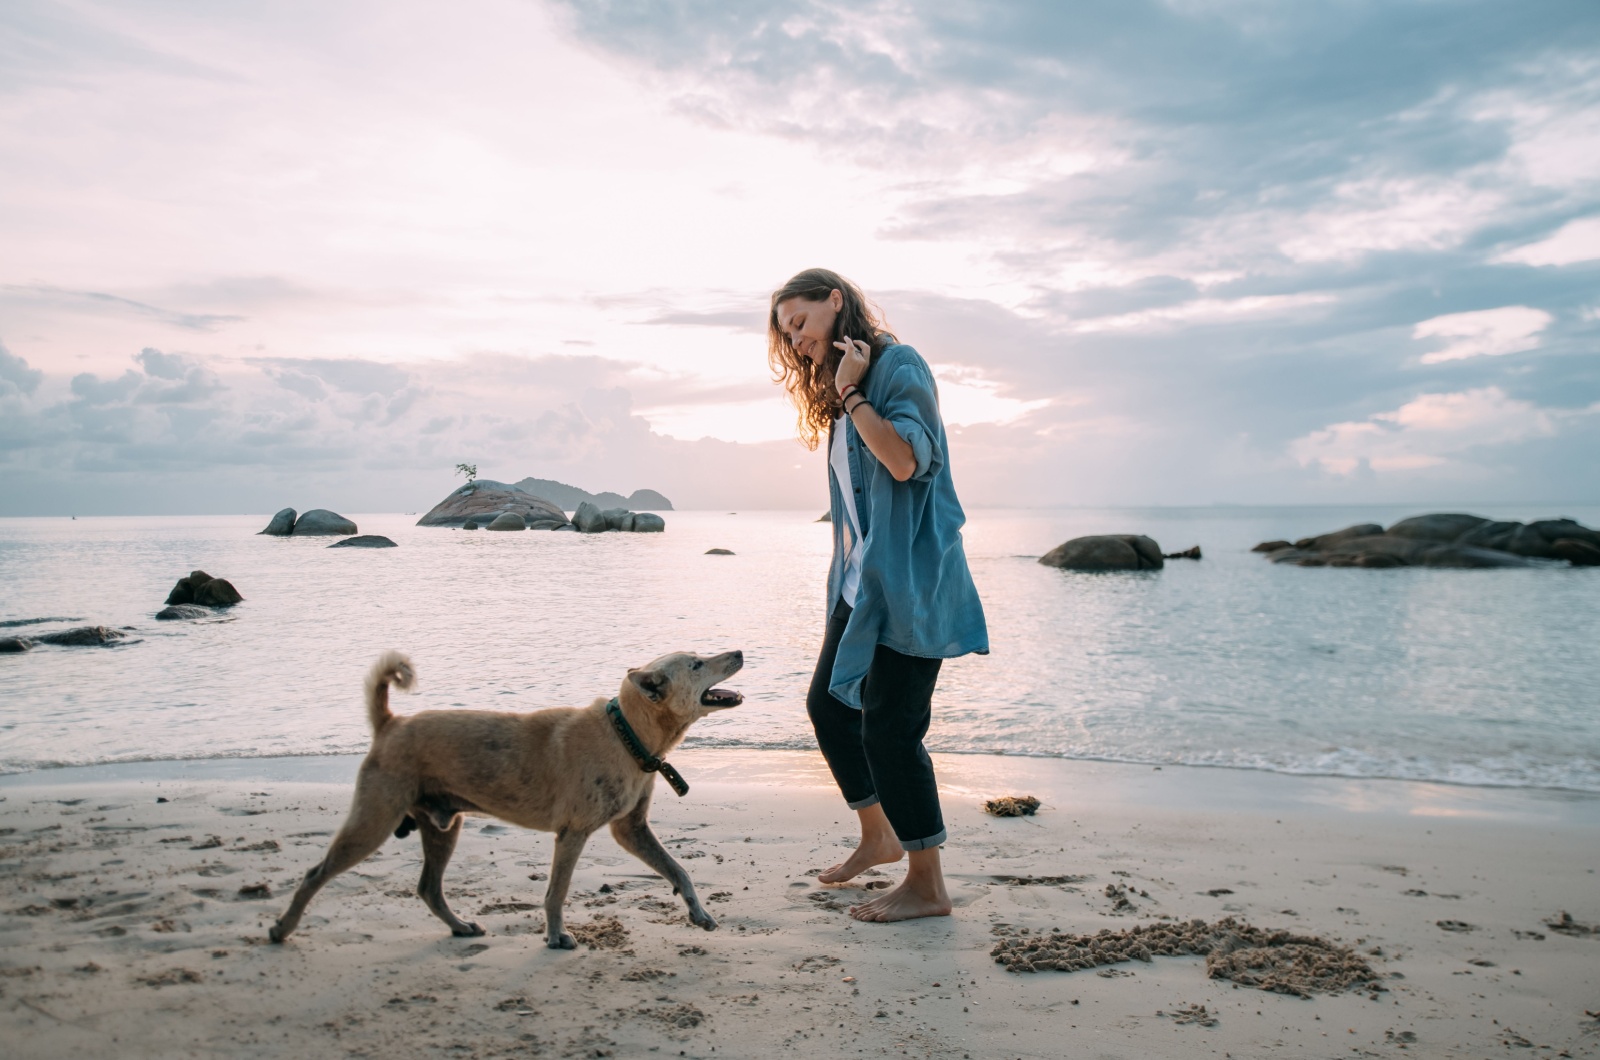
(114, 942)
(1233, 784)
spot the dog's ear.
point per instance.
(653, 683)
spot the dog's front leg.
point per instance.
(569, 845)
(632, 833)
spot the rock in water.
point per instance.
(1188, 553)
(282, 524)
(197, 588)
(484, 500)
(1443, 528)
(183, 592)
(218, 592)
(507, 521)
(589, 519)
(470, 524)
(365, 541)
(321, 522)
(1578, 553)
(83, 637)
(1105, 552)
(1444, 540)
(8, 645)
(648, 523)
(182, 611)
(719, 552)
(618, 519)
(825, 517)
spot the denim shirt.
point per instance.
(916, 594)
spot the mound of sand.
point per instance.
(1278, 961)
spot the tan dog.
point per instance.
(564, 770)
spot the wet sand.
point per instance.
(134, 902)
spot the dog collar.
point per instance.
(647, 761)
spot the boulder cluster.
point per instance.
(589, 519)
(316, 522)
(200, 588)
(489, 505)
(1444, 540)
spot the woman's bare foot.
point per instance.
(920, 894)
(878, 846)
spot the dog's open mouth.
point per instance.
(721, 697)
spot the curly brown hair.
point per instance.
(810, 385)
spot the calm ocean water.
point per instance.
(1472, 677)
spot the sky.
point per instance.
(1191, 252)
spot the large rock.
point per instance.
(1578, 553)
(1443, 528)
(618, 519)
(1105, 552)
(589, 519)
(282, 524)
(507, 521)
(83, 637)
(485, 500)
(1445, 540)
(181, 612)
(321, 522)
(1339, 537)
(201, 588)
(9, 645)
(648, 523)
(365, 541)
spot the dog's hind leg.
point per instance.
(632, 833)
(376, 811)
(569, 845)
(437, 846)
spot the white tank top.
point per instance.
(838, 457)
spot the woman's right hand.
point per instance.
(857, 359)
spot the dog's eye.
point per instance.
(697, 664)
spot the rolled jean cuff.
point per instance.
(937, 839)
(861, 804)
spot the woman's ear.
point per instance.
(836, 299)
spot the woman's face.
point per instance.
(809, 324)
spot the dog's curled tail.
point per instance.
(391, 667)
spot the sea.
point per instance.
(1470, 677)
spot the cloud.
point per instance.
(161, 365)
(101, 303)
(1483, 332)
(1428, 432)
(1577, 241)
(15, 374)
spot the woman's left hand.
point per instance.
(857, 357)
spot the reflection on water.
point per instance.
(1474, 677)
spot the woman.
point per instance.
(900, 598)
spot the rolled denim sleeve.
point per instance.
(911, 406)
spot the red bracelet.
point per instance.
(849, 388)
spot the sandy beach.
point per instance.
(136, 900)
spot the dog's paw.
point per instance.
(467, 931)
(276, 933)
(703, 919)
(562, 941)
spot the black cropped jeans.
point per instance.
(876, 753)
